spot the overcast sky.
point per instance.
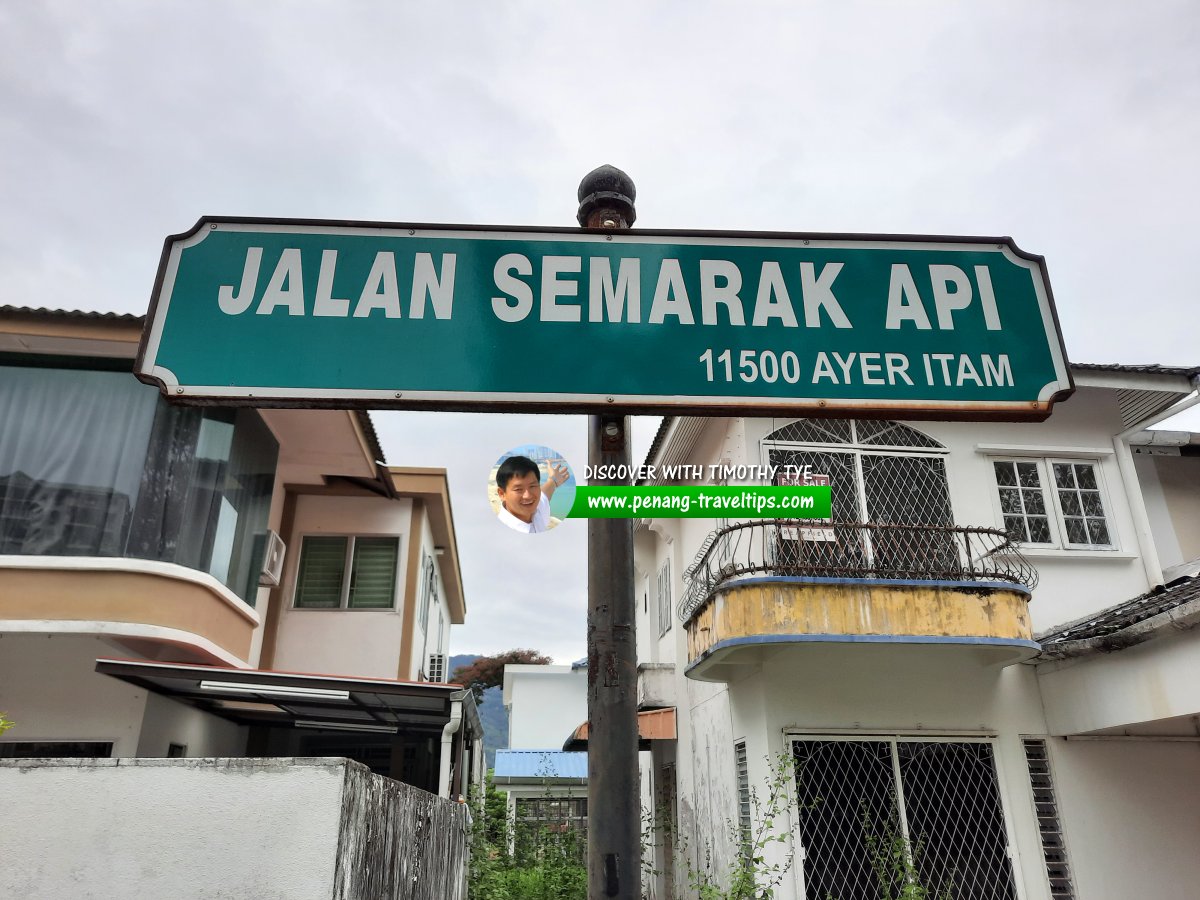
(1072, 126)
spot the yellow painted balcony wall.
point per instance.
(745, 619)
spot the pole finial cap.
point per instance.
(607, 187)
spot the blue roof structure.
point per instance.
(539, 765)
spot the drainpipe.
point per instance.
(1133, 490)
(448, 732)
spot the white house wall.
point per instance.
(425, 640)
(49, 686)
(1158, 511)
(1072, 583)
(1179, 481)
(1131, 812)
(545, 705)
(1144, 683)
(359, 642)
(168, 722)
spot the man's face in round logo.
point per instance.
(521, 495)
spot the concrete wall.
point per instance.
(358, 642)
(1130, 815)
(286, 829)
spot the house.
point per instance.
(201, 581)
(985, 661)
(545, 785)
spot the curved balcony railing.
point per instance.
(852, 550)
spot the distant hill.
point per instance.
(491, 712)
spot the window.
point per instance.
(864, 802)
(551, 820)
(880, 472)
(664, 598)
(97, 464)
(347, 572)
(743, 794)
(1045, 801)
(55, 749)
(1071, 514)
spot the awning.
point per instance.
(653, 725)
(257, 697)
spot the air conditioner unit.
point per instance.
(272, 570)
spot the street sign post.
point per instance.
(303, 313)
(273, 312)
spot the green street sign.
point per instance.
(309, 313)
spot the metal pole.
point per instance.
(606, 198)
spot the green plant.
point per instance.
(753, 874)
(895, 863)
(5, 723)
(514, 860)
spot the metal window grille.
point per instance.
(893, 434)
(906, 486)
(743, 793)
(563, 820)
(437, 667)
(936, 802)
(664, 598)
(866, 432)
(1045, 802)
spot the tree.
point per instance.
(488, 671)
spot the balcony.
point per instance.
(758, 587)
(158, 610)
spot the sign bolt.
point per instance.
(179, 390)
(399, 394)
(213, 225)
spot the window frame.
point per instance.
(1055, 516)
(348, 573)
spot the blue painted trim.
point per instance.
(901, 582)
(753, 639)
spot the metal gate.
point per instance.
(867, 805)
